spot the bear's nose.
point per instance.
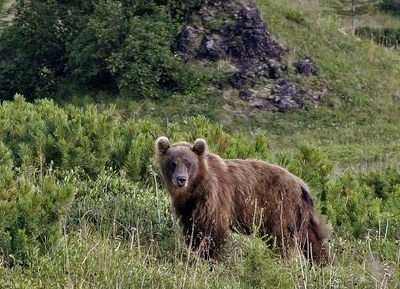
(181, 181)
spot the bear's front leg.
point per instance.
(207, 242)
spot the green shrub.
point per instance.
(385, 185)
(119, 207)
(386, 36)
(355, 205)
(121, 47)
(181, 8)
(314, 168)
(33, 56)
(33, 206)
(256, 265)
(351, 206)
(43, 133)
(89, 50)
(144, 63)
(365, 204)
(86, 140)
(227, 145)
(392, 6)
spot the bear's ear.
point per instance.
(162, 145)
(199, 146)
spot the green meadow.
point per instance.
(82, 205)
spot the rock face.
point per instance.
(235, 32)
(306, 67)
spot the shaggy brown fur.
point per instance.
(211, 196)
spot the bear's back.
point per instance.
(251, 173)
(254, 183)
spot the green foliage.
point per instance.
(115, 205)
(354, 204)
(86, 140)
(32, 206)
(181, 8)
(33, 54)
(365, 203)
(116, 46)
(44, 133)
(313, 167)
(386, 36)
(257, 263)
(384, 183)
(2, 5)
(237, 145)
(144, 63)
(41, 134)
(93, 45)
(89, 173)
(352, 207)
(392, 6)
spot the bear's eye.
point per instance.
(171, 166)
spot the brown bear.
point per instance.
(212, 196)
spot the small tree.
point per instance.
(354, 8)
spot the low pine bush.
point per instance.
(33, 207)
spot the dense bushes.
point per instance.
(392, 6)
(53, 159)
(355, 205)
(33, 204)
(33, 55)
(117, 46)
(386, 36)
(51, 155)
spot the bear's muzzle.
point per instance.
(181, 181)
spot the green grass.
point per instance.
(88, 259)
(119, 232)
(113, 240)
(357, 125)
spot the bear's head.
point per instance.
(179, 163)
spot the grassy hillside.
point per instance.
(89, 173)
(356, 123)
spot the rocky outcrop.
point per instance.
(306, 67)
(236, 32)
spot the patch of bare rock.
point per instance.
(236, 32)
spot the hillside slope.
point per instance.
(349, 104)
(356, 122)
(359, 120)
